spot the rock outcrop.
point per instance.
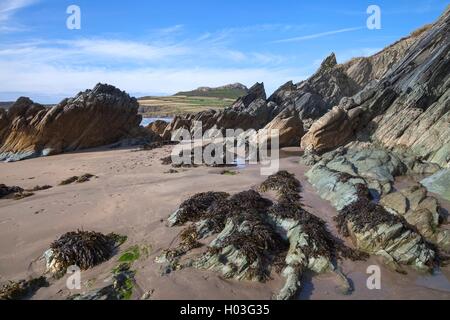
(439, 183)
(353, 180)
(158, 127)
(376, 231)
(101, 116)
(249, 112)
(419, 210)
(253, 235)
(322, 135)
(408, 109)
(289, 126)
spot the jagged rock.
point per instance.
(93, 118)
(439, 183)
(158, 127)
(283, 93)
(347, 178)
(335, 128)
(251, 111)
(407, 109)
(377, 231)
(420, 210)
(290, 129)
(337, 173)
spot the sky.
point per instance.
(156, 47)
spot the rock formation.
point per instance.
(408, 109)
(289, 126)
(158, 127)
(311, 98)
(253, 235)
(420, 210)
(248, 112)
(101, 116)
(439, 183)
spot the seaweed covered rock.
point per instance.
(350, 179)
(374, 230)
(253, 235)
(6, 191)
(22, 289)
(421, 211)
(81, 248)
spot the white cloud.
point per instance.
(318, 35)
(7, 10)
(62, 68)
(58, 82)
(126, 49)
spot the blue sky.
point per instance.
(161, 47)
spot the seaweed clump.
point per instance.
(6, 191)
(255, 235)
(78, 179)
(286, 185)
(22, 289)
(366, 215)
(40, 188)
(82, 248)
(289, 206)
(195, 208)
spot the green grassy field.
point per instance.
(176, 105)
(227, 93)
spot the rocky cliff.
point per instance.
(407, 110)
(93, 118)
(311, 98)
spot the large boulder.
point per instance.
(290, 128)
(439, 183)
(101, 116)
(335, 128)
(158, 127)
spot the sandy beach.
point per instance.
(133, 196)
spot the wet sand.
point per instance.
(133, 196)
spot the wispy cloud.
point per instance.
(7, 10)
(59, 68)
(317, 35)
